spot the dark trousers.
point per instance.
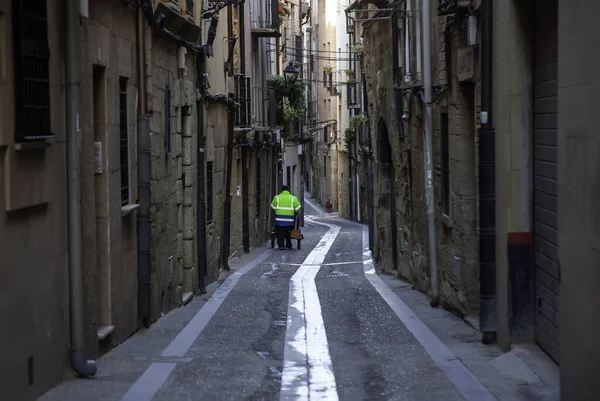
(283, 236)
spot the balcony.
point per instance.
(170, 16)
(268, 25)
(352, 95)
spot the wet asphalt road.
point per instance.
(240, 353)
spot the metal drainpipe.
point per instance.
(225, 249)
(80, 362)
(370, 178)
(350, 186)
(143, 151)
(487, 184)
(302, 119)
(428, 152)
(201, 202)
(245, 172)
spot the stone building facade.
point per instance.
(396, 113)
(34, 286)
(34, 223)
(323, 98)
(545, 154)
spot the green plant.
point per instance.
(349, 136)
(350, 73)
(356, 121)
(358, 48)
(290, 97)
(294, 91)
(328, 69)
(354, 124)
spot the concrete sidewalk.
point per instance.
(123, 365)
(524, 373)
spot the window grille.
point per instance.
(445, 164)
(124, 140)
(32, 70)
(190, 6)
(209, 192)
(258, 189)
(167, 120)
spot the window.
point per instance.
(289, 176)
(167, 120)
(445, 142)
(324, 166)
(209, 192)
(124, 140)
(2, 49)
(32, 70)
(325, 132)
(257, 182)
(190, 6)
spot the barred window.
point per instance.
(190, 6)
(209, 192)
(257, 181)
(32, 70)
(124, 140)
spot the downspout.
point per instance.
(201, 201)
(143, 151)
(227, 205)
(225, 249)
(428, 152)
(350, 186)
(357, 172)
(487, 184)
(81, 364)
(370, 178)
(245, 172)
(302, 119)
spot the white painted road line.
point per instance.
(307, 368)
(324, 264)
(148, 384)
(146, 387)
(314, 205)
(463, 379)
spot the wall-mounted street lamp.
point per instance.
(290, 73)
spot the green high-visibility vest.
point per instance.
(285, 205)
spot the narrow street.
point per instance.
(316, 323)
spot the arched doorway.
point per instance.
(387, 188)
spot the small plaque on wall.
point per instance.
(465, 60)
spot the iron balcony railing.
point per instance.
(268, 18)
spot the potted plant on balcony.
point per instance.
(354, 124)
(350, 75)
(358, 48)
(290, 96)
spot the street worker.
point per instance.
(285, 206)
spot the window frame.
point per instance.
(124, 166)
(33, 113)
(209, 191)
(445, 162)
